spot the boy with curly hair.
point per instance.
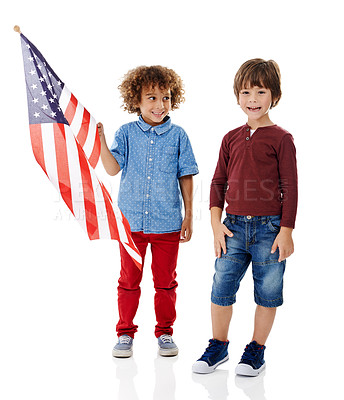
(157, 164)
(256, 174)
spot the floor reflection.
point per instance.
(253, 387)
(215, 384)
(126, 370)
(165, 381)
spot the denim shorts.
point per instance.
(252, 241)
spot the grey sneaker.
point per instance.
(167, 347)
(124, 347)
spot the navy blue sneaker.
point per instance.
(215, 354)
(252, 361)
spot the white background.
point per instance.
(58, 290)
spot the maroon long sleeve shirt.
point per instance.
(257, 174)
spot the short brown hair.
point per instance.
(142, 77)
(258, 72)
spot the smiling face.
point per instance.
(155, 104)
(255, 102)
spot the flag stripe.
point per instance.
(76, 123)
(64, 100)
(101, 210)
(130, 247)
(89, 201)
(94, 157)
(63, 165)
(123, 237)
(75, 178)
(110, 214)
(127, 228)
(37, 145)
(94, 189)
(50, 153)
(134, 255)
(92, 144)
(85, 123)
(71, 109)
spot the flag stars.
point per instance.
(43, 89)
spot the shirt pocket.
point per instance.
(169, 159)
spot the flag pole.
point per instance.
(17, 29)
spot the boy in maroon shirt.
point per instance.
(257, 176)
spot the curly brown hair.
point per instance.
(143, 77)
(258, 72)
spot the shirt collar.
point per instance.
(261, 127)
(159, 129)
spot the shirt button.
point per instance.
(249, 217)
(152, 141)
(147, 195)
(151, 159)
(146, 212)
(247, 129)
(148, 177)
(247, 138)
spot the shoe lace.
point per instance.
(124, 339)
(251, 352)
(212, 349)
(166, 338)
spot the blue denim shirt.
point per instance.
(152, 159)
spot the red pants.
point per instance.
(164, 247)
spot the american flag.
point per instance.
(66, 144)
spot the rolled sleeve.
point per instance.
(186, 161)
(118, 148)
